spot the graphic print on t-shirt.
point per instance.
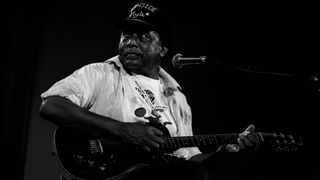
(149, 94)
(141, 111)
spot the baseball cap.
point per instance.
(144, 14)
(148, 15)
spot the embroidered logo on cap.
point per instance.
(144, 8)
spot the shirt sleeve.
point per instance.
(81, 87)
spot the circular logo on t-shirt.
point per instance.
(140, 112)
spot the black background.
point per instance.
(46, 42)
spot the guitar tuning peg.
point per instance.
(91, 163)
(102, 168)
(278, 148)
(313, 78)
(291, 139)
(276, 140)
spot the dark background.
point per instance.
(46, 42)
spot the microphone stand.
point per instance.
(310, 80)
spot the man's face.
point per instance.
(140, 50)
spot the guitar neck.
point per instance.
(217, 140)
(212, 140)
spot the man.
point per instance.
(128, 94)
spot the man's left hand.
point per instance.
(247, 141)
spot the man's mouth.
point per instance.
(132, 56)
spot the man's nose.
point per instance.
(133, 40)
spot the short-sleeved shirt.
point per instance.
(105, 88)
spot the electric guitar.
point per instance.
(85, 156)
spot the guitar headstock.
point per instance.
(282, 142)
(314, 83)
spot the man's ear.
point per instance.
(163, 51)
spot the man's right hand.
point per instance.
(140, 134)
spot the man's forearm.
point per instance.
(62, 111)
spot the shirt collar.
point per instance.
(168, 80)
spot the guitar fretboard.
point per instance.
(199, 141)
(215, 140)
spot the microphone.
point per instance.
(178, 60)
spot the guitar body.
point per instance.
(84, 156)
